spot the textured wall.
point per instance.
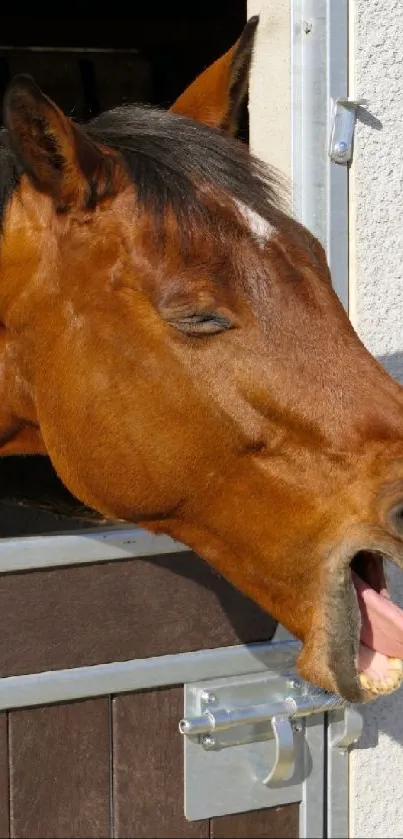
(376, 63)
(270, 84)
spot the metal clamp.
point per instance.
(213, 722)
(227, 719)
(284, 761)
(258, 740)
(343, 125)
(348, 730)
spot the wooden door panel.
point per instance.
(60, 771)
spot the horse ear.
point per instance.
(217, 95)
(57, 156)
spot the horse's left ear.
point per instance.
(57, 156)
(217, 95)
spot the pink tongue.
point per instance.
(381, 620)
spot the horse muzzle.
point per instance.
(355, 645)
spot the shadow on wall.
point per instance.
(393, 364)
(385, 715)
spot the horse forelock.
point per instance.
(9, 173)
(174, 163)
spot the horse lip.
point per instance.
(342, 661)
(374, 539)
(330, 646)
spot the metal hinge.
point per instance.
(245, 741)
(343, 118)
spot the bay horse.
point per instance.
(171, 340)
(217, 97)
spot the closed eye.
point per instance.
(201, 323)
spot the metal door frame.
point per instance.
(319, 69)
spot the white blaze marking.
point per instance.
(262, 229)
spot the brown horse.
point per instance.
(170, 338)
(216, 97)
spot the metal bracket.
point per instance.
(245, 745)
(348, 730)
(343, 120)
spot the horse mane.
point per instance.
(173, 162)
(9, 173)
(168, 156)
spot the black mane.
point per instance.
(9, 173)
(166, 156)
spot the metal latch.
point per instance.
(251, 728)
(344, 113)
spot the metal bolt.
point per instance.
(208, 698)
(307, 26)
(341, 148)
(293, 683)
(208, 740)
(296, 725)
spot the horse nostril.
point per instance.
(396, 519)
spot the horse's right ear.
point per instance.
(217, 95)
(57, 156)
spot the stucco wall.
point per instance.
(270, 84)
(376, 283)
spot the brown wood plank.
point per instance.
(4, 783)
(60, 771)
(274, 823)
(74, 616)
(148, 767)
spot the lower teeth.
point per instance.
(388, 685)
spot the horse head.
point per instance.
(170, 338)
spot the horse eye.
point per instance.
(202, 323)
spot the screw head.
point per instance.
(208, 740)
(293, 683)
(208, 698)
(307, 26)
(341, 148)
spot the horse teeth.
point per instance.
(387, 685)
(365, 682)
(396, 665)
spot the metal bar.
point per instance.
(312, 811)
(221, 719)
(30, 552)
(319, 70)
(337, 770)
(337, 782)
(319, 35)
(139, 674)
(294, 707)
(337, 176)
(309, 115)
(342, 731)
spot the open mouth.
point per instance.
(380, 651)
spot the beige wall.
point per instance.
(270, 84)
(376, 309)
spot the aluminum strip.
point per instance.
(30, 552)
(139, 674)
